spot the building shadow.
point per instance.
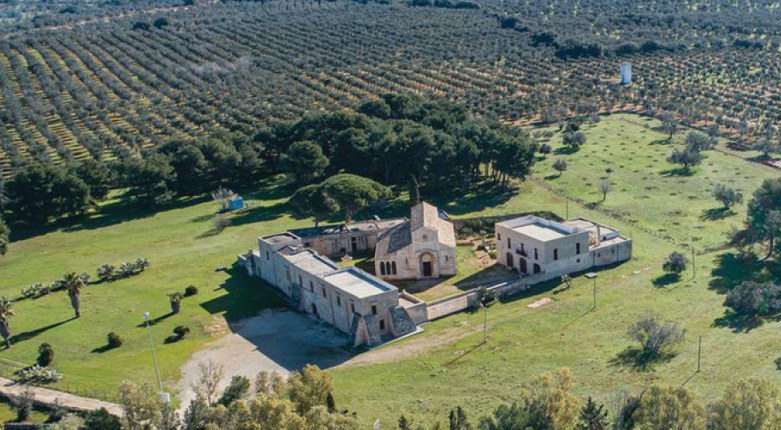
(244, 296)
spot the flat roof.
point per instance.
(540, 231)
(342, 228)
(313, 263)
(357, 283)
(280, 238)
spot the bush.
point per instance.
(23, 404)
(45, 355)
(238, 388)
(36, 374)
(114, 340)
(101, 419)
(191, 290)
(655, 337)
(753, 299)
(181, 331)
(675, 263)
(35, 291)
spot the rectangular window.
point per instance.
(352, 307)
(536, 254)
(267, 255)
(338, 301)
(311, 286)
(555, 254)
(324, 295)
(509, 243)
(374, 310)
(577, 248)
(382, 324)
(499, 236)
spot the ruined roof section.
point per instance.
(325, 230)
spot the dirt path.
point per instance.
(48, 397)
(275, 341)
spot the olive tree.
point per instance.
(654, 336)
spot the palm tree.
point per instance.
(6, 312)
(73, 283)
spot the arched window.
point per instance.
(382, 268)
(393, 267)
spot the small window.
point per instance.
(509, 243)
(307, 245)
(577, 248)
(382, 324)
(311, 286)
(300, 281)
(447, 258)
(338, 301)
(352, 307)
(374, 309)
(556, 254)
(267, 255)
(578, 260)
(536, 254)
(522, 248)
(393, 267)
(382, 268)
(324, 294)
(499, 236)
(613, 251)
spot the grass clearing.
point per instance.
(184, 249)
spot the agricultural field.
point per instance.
(108, 89)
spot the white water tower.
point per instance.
(626, 73)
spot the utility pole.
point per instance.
(699, 353)
(485, 323)
(592, 275)
(164, 397)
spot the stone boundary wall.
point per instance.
(419, 311)
(459, 302)
(493, 219)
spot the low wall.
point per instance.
(418, 312)
(463, 301)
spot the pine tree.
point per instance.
(458, 420)
(592, 417)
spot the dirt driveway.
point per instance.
(276, 340)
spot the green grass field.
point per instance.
(454, 369)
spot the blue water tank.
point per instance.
(235, 204)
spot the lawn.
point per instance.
(184, 249)
(567, 332)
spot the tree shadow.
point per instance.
(738, 323)
(32, 333)
(566, 150)
(552, 177)
(715, 214)
(665, 141)
(731, 269)
(666, 279)
(259, 214)
(245, 296)
(639, 359)
(485, 195)
(679, 171)
(104, 348)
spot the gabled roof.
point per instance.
(422, 215)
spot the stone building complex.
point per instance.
(363, 306)
(422, 247)
(549, 249)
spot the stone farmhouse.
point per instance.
(363, 306)
(548, 249)
(422, 247)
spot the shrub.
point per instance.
(181, 331)
(36, 290)
(655, 337)
(238, 388)
(755, 299)
(191, 290)
(114, 340)
(36, 374)
(675, 263)
(23, 404)
(545, 149)
(106, 272)
(45, 355)
(101, 419)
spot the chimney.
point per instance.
(599, 234)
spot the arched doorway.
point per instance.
(510, 262)
(427, 264)
(536, 268)
(522, 263)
